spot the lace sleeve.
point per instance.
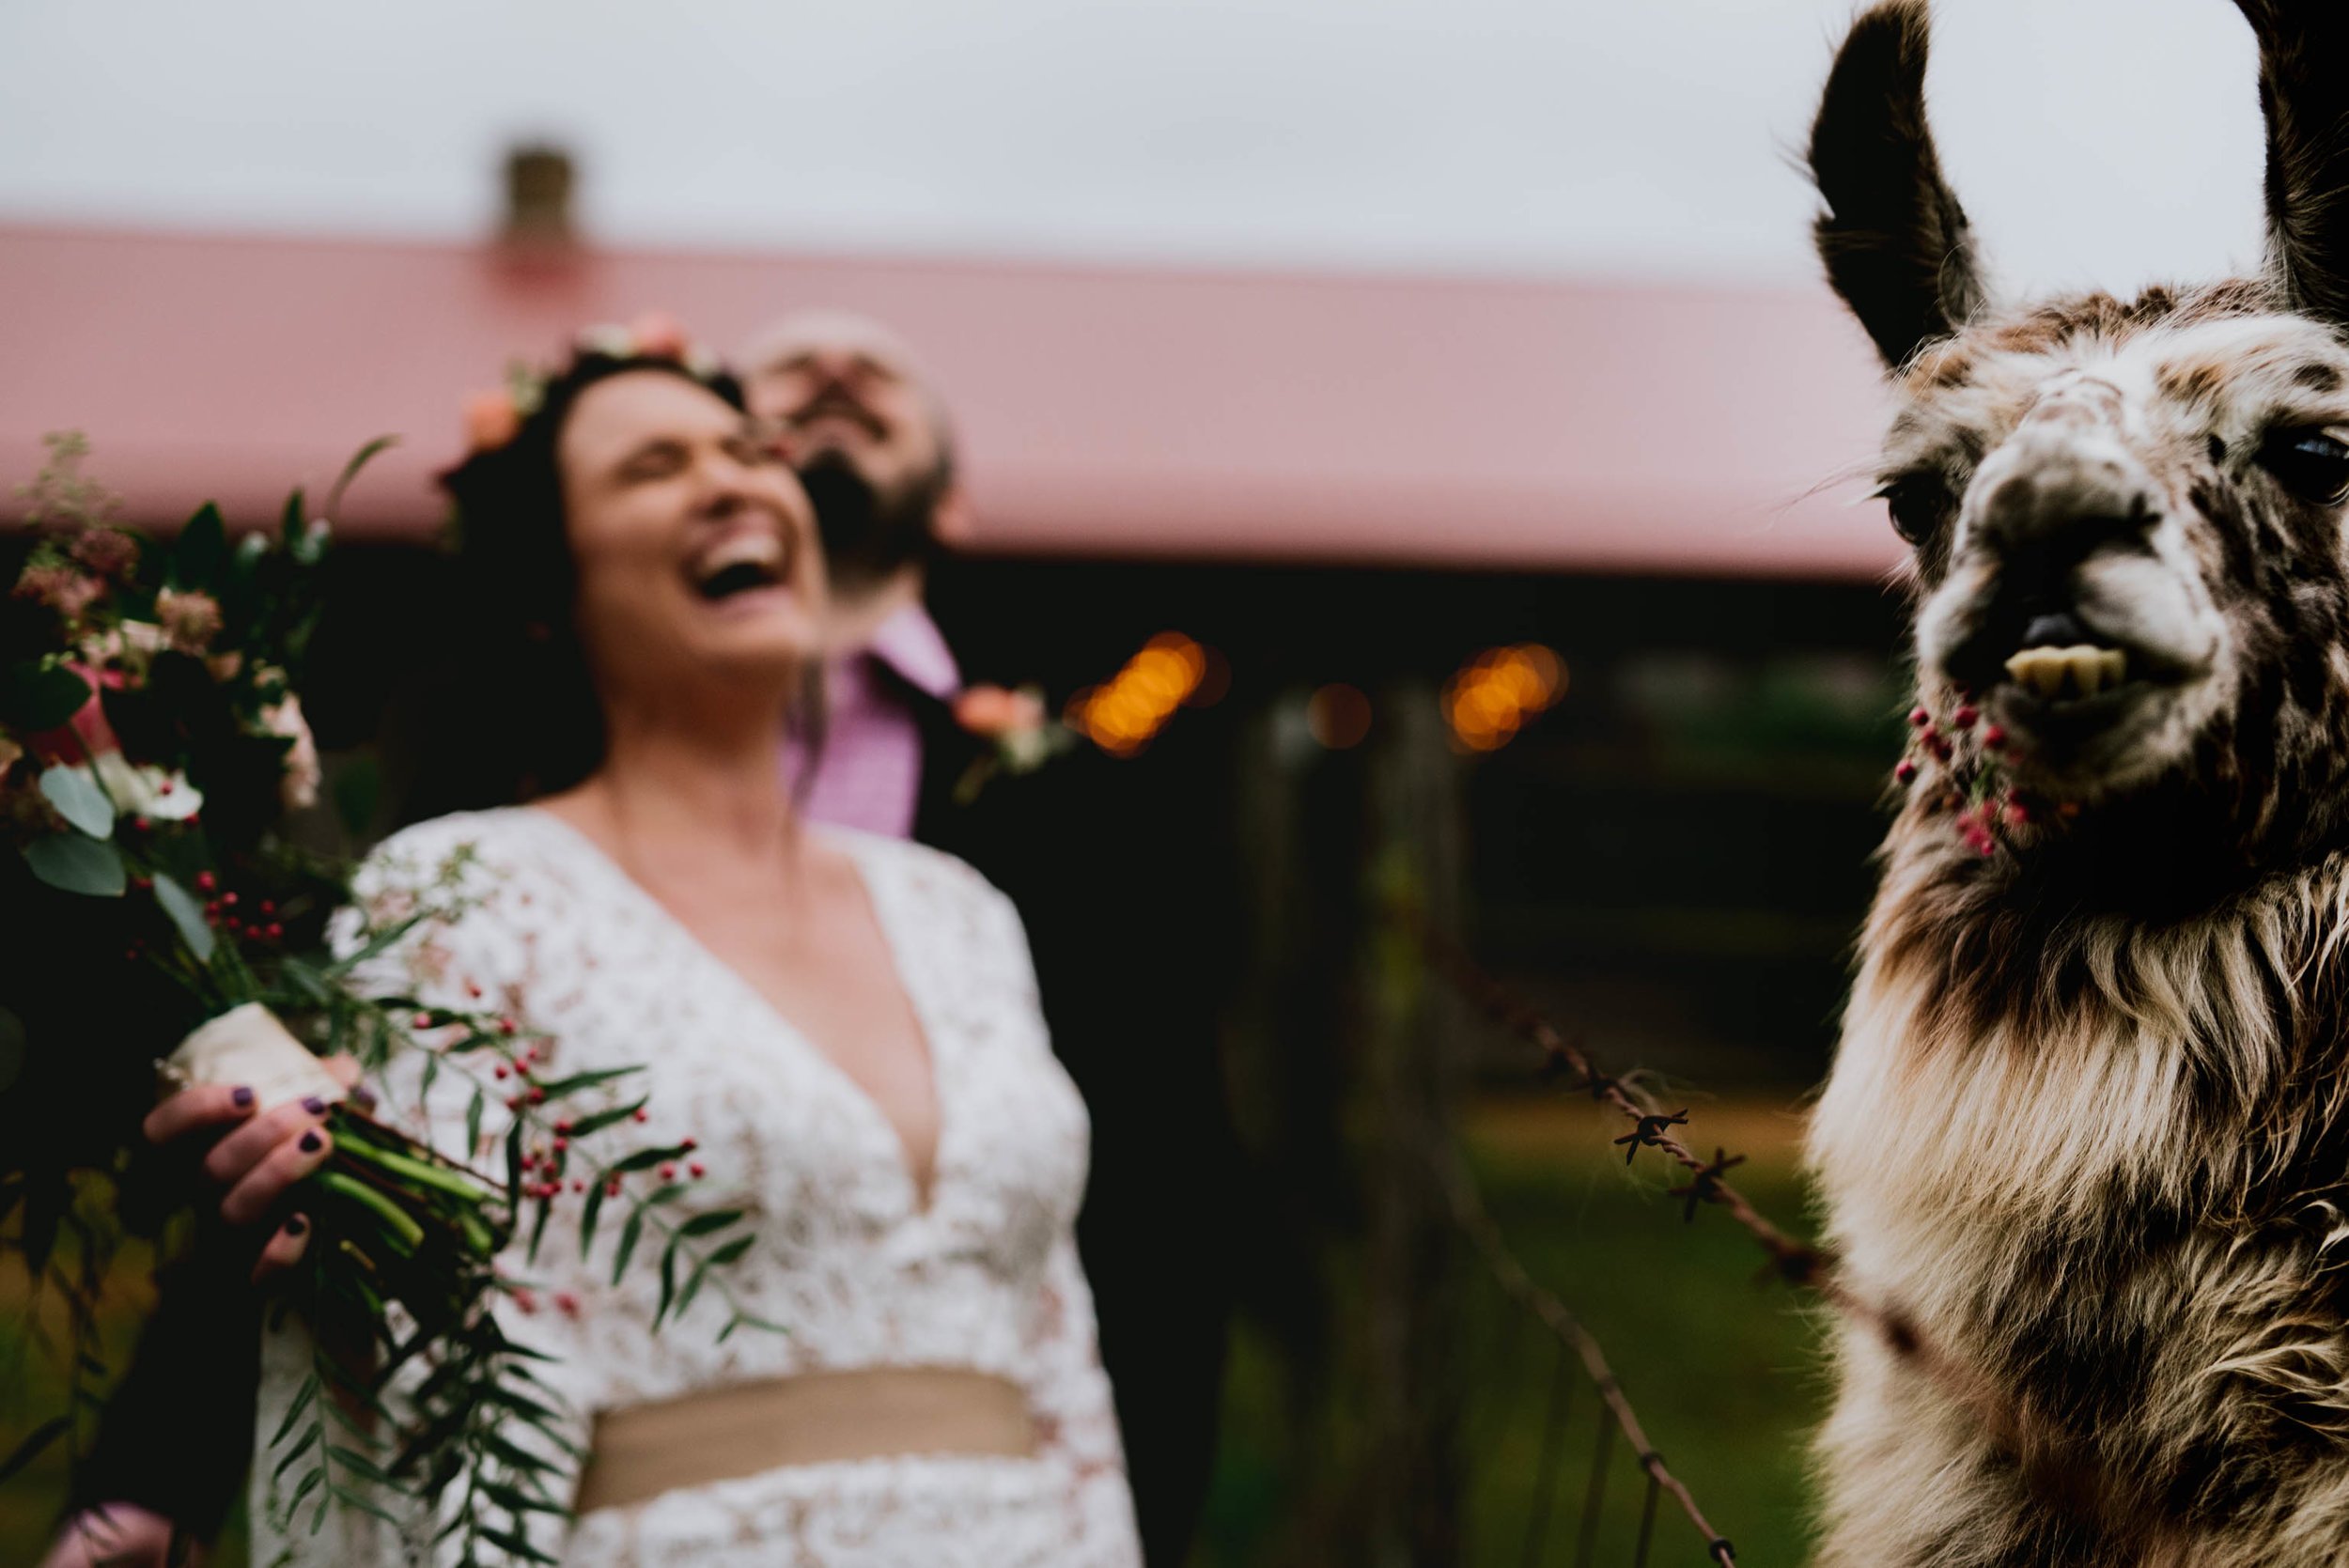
(1066, 1388)
(433, 920)
(427, 923)
(1077, 1424)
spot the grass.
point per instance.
(1725, 1373)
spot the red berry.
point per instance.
(566, 1303)
(697, 1170)
(276, 932)
(505, 1026)
(142, 824)
(499, 1069)
(643, 1115)
(227, 900)
(668, 1172)
(1905, 772)
(1994, 737)
(579, 1184)
(1966, 715)
(611, 1187)
(269, 905)
(530, 1162)
(2018, 813)
(689, 1145)
(537, 1095)
(562, 1144)
(525, 1302)
(1920, 717)
(424, 1021)
(471, 989)
(563, 1127)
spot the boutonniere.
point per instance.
(1021, 737)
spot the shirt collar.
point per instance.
(910, 644)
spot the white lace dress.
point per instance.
(847, 1259)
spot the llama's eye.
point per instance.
(2312, 464)
(1919, 504)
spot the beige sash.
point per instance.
(812, 1418)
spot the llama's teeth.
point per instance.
(2041, 669)
(2086, 666)
(2080, 671)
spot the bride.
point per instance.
(847, 1026)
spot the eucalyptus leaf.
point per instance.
(187, 917)
(75, 864)
(79, 800)
(33, 698)
(203, 547)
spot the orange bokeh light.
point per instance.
(1494, 694)
(1124, 713)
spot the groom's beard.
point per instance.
(868, 535)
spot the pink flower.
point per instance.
(658, 335)
(190, 620)
(492, 420)
(107, 551)
(86, 735)
(63, 589)
(995, 713)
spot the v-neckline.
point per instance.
(920, 1202)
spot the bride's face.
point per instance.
(695, 548)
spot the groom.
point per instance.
(871, 442)
(870, 437)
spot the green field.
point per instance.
(1725, 1373)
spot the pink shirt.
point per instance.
(869, 774)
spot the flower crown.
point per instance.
(495, 418)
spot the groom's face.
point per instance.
(851, 401)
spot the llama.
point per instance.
(2087, 1126)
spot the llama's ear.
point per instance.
(1894, 240)
(2304, 92)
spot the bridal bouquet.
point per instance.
(152, 746)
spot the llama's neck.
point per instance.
(2008, 1065)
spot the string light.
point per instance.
(1494, 694)
(1122, 714)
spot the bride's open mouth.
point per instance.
(739, 567)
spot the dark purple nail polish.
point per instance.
(311, 1142)
(314, 1106)
(296, 1225)
(242, 1097)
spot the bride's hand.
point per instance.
(119, 1535)
(256, 1156)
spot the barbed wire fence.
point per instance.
(2057, 1470)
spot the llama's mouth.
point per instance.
(2073, 672)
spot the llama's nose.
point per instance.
(2063, 483)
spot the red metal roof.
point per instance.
(1560, 426)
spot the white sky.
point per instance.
(2095, 140)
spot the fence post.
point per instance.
(1415, 860)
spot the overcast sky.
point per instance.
(2095, 140)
